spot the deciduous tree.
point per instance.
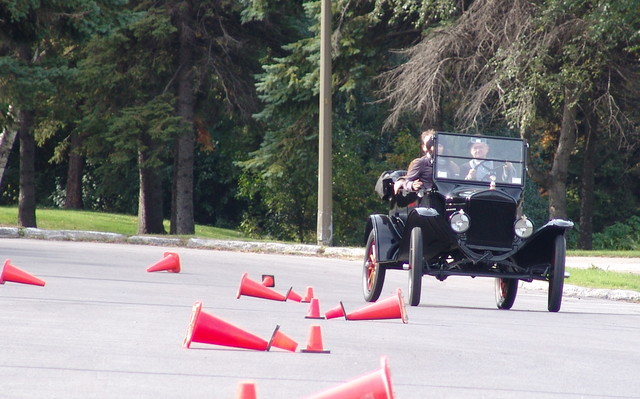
(535, 65)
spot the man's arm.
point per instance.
(508, 172)
(411, 179)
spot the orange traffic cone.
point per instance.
(16, 275)
(314, 310)
(170, 262)
(308, 295)
(246, 390)
(268, 280)
(314, 343)
(253, 288)
(390, 308)
(208, 329)
(282, 341)
(294, 296)
(375, 385)
(336, 312)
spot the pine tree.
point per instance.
(35, 36)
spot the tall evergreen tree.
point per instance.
(35, 35)
(281, 176)
(219, 45)
(129, 111)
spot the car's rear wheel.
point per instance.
(556, 280)
(415, 266)
(372, 272)
(506, 291)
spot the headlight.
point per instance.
(459, 222)
(523, 227)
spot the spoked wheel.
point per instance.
(372, 273)
(415, 266)
(506, 291)
(556, 280)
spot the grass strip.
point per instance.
(67, 219)
(594, 277)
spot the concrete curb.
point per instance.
(584, 292)
(225, 245)
(612, 264)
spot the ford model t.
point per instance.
(467, 224)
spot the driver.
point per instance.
(481, 169)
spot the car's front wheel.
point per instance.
(506, 291)
(415, 266)
(556, 280)
(372, 272)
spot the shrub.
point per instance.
(619, 236)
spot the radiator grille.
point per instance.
(491, 223)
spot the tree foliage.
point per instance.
(233, 85)
(537, 67)
(282, 174)
(36, 38)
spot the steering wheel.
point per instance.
(492, 171)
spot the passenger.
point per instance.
(480, 168)
(420, 172)
(446, 167)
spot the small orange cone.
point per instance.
(208, 329)
(17, 275)
(314, 310)
(253, 288)
(375, 385)
(268, 280)
(314, 343)
(308, 295)
(294, 296)
(170, 262)
(338, 311)
(390, 308)
(246, 390)
(282, 341)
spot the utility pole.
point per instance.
(325, 189)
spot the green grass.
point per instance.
(604, 253)
(63, 219)
(598, 278)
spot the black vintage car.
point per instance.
(468, 224)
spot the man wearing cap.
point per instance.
(480, 168)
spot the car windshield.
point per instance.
(479, 159)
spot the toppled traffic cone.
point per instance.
(314, 310)
(17, 275)
(253, 288)
(282, 341)
(314, 343)
(294, 296)
(338, 311)
(246, 390)
(375, 385)
(308, 295)
(170, 262)
(268, 280)
(390, 308)
(208, 329)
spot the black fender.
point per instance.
(436, 233)
(538, 249)
(388, 236)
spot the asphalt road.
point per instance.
(103, 327)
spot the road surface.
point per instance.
(103, 327)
